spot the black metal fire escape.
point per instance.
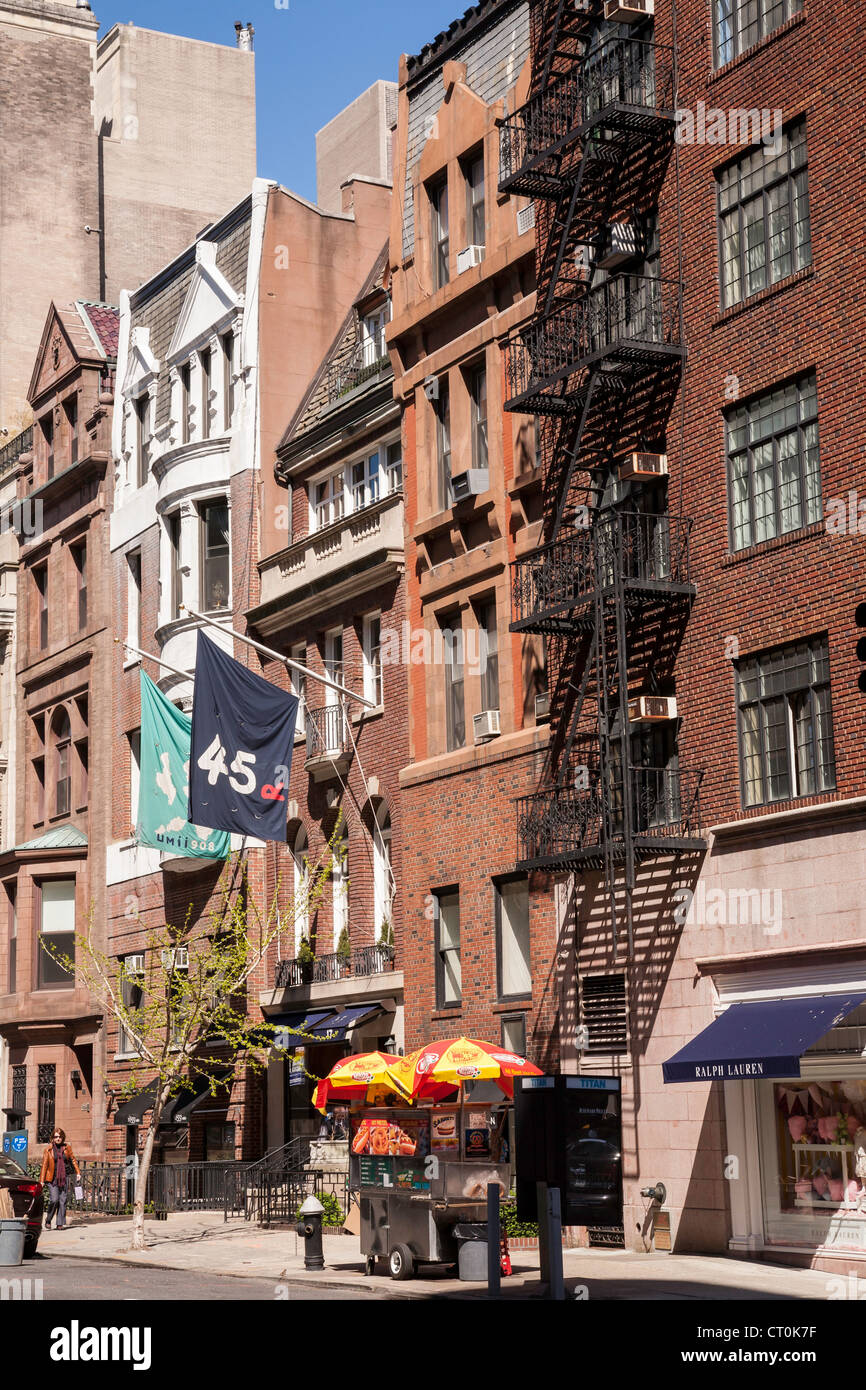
(599, 366)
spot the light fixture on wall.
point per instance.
(75, 1078)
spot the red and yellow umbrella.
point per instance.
(365, 1077)
(438, 1068)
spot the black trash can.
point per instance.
(472, 1244)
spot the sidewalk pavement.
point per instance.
(204, 1243)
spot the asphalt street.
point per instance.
(53, 1279)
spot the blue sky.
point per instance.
(312, 59)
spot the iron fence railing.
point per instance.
(636, 547)
(327, 731)
(11, 452)
(364, 363)
(561, 821)
(620, 82)
(109, 1188)
(624, 318)
(364, 961)
(274, 1195)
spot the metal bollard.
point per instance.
(310, 1229)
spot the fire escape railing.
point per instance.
(621, 84)
(624, 319)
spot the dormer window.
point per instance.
(227, 343)
(206, 360)
(185, 377)
(373, 335)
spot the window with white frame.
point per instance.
(394, 467)
(739, 24)
(365, 482)
(184, 375)
(383, 891)
(298, 681)
(56, 932)
(132, 998)
(373, 335)
(340, 884)
(371, 647)
(134, 773)
(215, 555)
(449, 974)
(143, 429)
(227, 344)
(328, 501)
(133, 597)
(205, 359)
(514, 971)
(300, 885)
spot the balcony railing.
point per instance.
(645, 551)
(11, 452)
(364, 961)
(627, 319)
(362, 365)
(327, 732)
(621, 84)
(567, 825)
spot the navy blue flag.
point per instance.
(243, 731)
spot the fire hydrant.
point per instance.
(310, 1229)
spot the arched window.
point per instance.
(61, 734)
(383, 892)
(300, 850)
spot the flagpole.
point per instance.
(280, 656)
(184, 675)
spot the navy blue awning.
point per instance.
(760, 1039)
(339, 1026)
(298, 1023)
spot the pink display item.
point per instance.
(821, 1184)
(803, 1188)
(836, 1189)
(827, 1126)
(853, 1125)
(853, 1190)
(797, 1127)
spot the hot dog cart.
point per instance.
(421, 1173)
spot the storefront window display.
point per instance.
(815, 1161)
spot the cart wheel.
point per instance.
(400, 1262)
(370, 1266)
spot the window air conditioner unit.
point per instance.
(583, 264)
(486, 725)
(583, 6)
(134, 965)
(431, 388)
(652, 709)
(629, 11)
(542, 706)
(640, 466)
(177, 958)
(470, 483)
(466, 259)
(526, 219)
(623, 243)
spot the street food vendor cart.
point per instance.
(423, 1162)
(422, 1174)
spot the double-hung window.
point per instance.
(786, 723)
(185, 376)
(488, 654)
(394, 467)
(440, 233)
(173, 528)
(373, 328)
(328, 501)
(774, 467)
(478, 390)
(372, 651)
(739, 24)
(443, 445)
(205, 358)
(143, 437)
(473, 171)
(764, 230)
(455, 708)
(365, 482)
(227, 343)
(514, 970)
(56, 932)
(449, 976)
(132, 999)
(215, 557)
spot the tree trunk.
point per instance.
(138, 1242)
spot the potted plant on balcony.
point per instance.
(344, 953)
(306, 959)
(386, 940)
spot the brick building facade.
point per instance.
(744, 459)
(478, 958)
(53, 870)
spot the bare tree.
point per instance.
(187, 988)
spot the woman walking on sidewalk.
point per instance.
(57, 1161)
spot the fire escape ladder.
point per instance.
(571, 456)
(606, 766)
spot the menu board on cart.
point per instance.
(376, 1172)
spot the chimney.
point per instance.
(244, 33)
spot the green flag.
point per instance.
(163, 786)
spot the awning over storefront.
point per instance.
(176, 1110)
(337, 1027)
(298, 1023)
(765, 1038)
